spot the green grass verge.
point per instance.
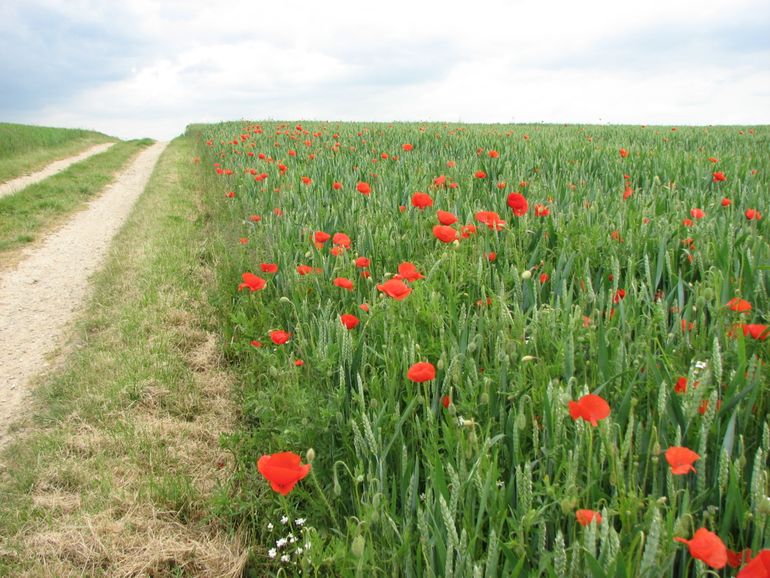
(25, 149)
(39, 207)
(111, 474)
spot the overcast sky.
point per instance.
(150, 67)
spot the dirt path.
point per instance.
(14, 185)
(40, 296)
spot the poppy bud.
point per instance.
(528, 358)
(284, 299)
(357, 548)
(310, 455)
(484, 399)
(273, 371)
(526, 274)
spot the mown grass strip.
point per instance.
(111, 474)
(29, 213)
(25, 149)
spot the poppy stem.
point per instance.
(323, 497)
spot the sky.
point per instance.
(148, 68)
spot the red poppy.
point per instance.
(336, 185)
(493, 154)
(585, 517)
(421, 200)
(518, 204)
(544, 277)
(277, 212)
(627, 193)
(269, 267)
(341, 239)
(395, 288)
(362, 262)
(726, 202)
(739, 305)
(408, 272)
(480, 175)
(697, 213)
(243, 240)
(491, 219)
(364, 307)
(620, 294)
(349, 321)
(718, 176)
(252, 282)
(713, 160)
(407, 147)
(439, 181)
(307, 180)
(343, 282)
(468, 230)
(306, 269)
(542, 210)
(446, 218)
(446, 401)
(421, 371)
(283, 470)
(444, 234)
(590, 407)
(279, 337)
(363, 188)
(687, 222)
(681, 385)
(623, 153)
(255, 218)
(451, 164)
(738, 559)
(321, 237)
(759, 567)
(707, 546)
(680, 459)
(491, 256)
(299, 362)
(753, 215)
(755, 330)
(255, 343)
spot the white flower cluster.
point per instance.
(290, 547)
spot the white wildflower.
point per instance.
(300, 521)
(281, 542)
(285, 558)
(272, 552)
(284, 520)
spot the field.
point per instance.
(445, 401)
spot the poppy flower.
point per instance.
(480, 175)
(283, 470)
(336, 185)
(299, 362)
(739, 305)
(421, 200)
(255, 218)
(753, 215)
(341, 239)
(363, 188)
(252, 282)
(269, 267)
(467, 230)
(680, 459)
(544, 277)
(343, 282)
(279, 337)
(755, 330)
(623, 153)
(542, 210)
(362, 262)
(446, 401)
(407, 147)
(687, 222)
(446, 218)
(627, 193)
(738, 559)
(491, 219)
(493, 154)
(697, 213)
(421, 371)
(444, 234)
(243, 240)
(718, 177)
(349, 321)
(708, 547)
(395, 288)
(620, 294)
(306, 269)
(451, 164)
(518, 204)
(681, 385)
(408, 272)
(255, 343)
(726, 202)
(759, 567)
(585, 517)
(364, 307)
(321, 237)
(491, 256)
(713, 160)
(307, 180)
(590, 407)
(439, 181)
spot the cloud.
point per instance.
(149, 67)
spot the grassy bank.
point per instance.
(28, 214)
(116, 461)
(25, 149)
